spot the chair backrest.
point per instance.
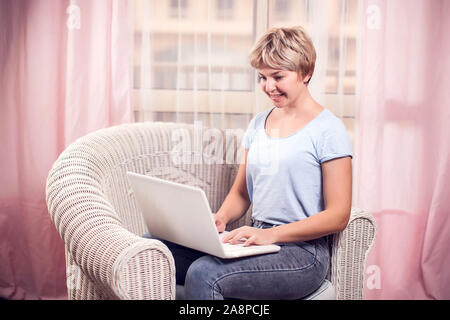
(167, 150)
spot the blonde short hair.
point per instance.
(286, 49)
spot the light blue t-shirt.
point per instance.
(284, 175)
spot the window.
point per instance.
(197, 65)
(224, 9)
(190, 58)
(282, 9)
(178, 8)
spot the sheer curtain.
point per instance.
(404, 162)
(63, 73)
(190, 60)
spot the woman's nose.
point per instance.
(269, 85)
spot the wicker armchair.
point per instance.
(94, 210)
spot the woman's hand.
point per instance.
(220, 222)
(252, 236)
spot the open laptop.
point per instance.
(181, 214)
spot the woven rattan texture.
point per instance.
(96, 214)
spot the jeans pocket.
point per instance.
(308, 246)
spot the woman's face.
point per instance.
(283, 87)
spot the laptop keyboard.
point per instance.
(234, 247)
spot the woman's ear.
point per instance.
(306, 79)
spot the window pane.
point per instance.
(201, 44)
(342, 31)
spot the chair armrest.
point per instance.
(122, 265)
(119, 263)
(350, 249)
(144, 271)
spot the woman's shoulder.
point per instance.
(333, 139)
(328, 121)
(328, 128)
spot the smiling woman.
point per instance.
(300, 193)
(279, 84)
(285, 59)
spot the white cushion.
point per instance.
(325, 292)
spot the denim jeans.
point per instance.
(294, 272)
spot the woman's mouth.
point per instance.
(276, 97)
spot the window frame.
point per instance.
(212, 100)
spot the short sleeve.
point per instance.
(335, 143)
(249, 134)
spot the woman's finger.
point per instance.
(237, 238)
(250, 241)
(220, 223)
(229, 235)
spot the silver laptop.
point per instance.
(181, 214)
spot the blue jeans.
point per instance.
(294, 272)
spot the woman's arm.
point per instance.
(236, 202)
(337, 189)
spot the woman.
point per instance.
(300, 193)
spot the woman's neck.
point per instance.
(304, 104)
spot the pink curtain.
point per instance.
(404, 144)
(63, 73)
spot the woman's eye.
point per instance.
(261, 78)
(278, 78)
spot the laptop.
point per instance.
(181, 214)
